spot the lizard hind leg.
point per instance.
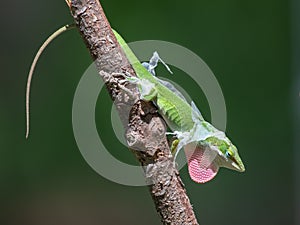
(152, 64)
(174, 146)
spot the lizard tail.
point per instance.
(37, 56)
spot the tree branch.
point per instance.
(145, 129)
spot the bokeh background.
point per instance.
(251, 46)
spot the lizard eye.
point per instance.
(228, 154)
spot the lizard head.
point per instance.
(205, 158)
(227, 153)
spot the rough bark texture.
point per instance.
(145, 129)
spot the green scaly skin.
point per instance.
(177, 111)
(178, 115)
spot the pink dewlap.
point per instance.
(201, 165)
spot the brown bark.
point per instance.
(145, 129)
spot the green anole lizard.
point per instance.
(206, 147)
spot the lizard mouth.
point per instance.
(237, 166)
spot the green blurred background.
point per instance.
(247, 44)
